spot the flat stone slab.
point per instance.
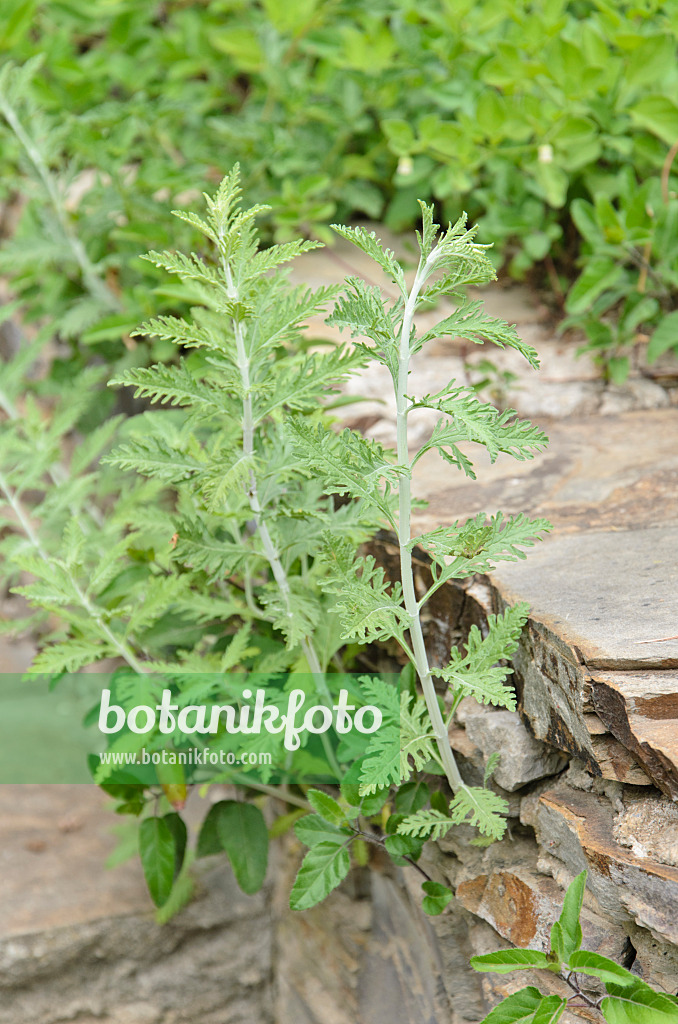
(610, 595)
(55, 841)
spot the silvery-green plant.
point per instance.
(376, 609)
(235, 555)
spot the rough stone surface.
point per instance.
(522, 758)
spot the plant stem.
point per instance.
(120, 646)
(95, 285)
(379, 841)
(278, 792)
(270, 551)
(412, 606)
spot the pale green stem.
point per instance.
(270, 551)
(412, 606)
(120, 646)
(279, 792)
(98, 288)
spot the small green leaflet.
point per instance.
(312, 830)
(372, 247)
(326, 806)
(323, 868)
(481, 808)
(427, 823)
(436, 899)
(518, 1008)
(566, 935)
(506, 960)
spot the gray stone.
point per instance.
(636, 393)
(577, 829)
(605, 593)
(640, 709)
(522, 758)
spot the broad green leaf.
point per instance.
(177, 827)
(322, 870)
(518, 1008)
(506, 960)
(240, 830)
(326, 806)
(209, 842)
(436, 899)
(412, 796)
(243, 834)
(549, 1010)
(598, 966)
(399, 846)
(568, 933)
(638, 1004)
(158, 858)
(600, 274)
(659, 115)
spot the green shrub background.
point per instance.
(548, 123)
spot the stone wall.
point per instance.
(588, 784)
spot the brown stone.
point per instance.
(616, 763)
(641, 710)
(577, 828)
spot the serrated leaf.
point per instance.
(312, 830)
(326, 806)
(481, 808)
(472, 420)
(471, 322)
(348, 464)
(154, 456)
(372, 247)
(171, 384)
(368, 605)
(476, 672)
(324, 867)
(427, 823)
